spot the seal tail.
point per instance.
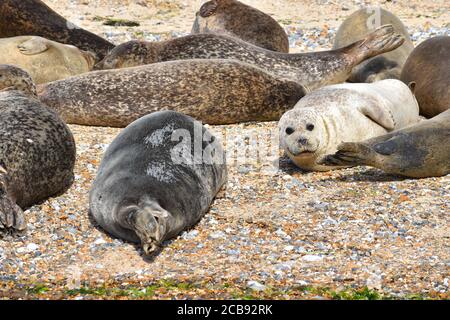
(349, 154)
(382, 40)
(11, 216)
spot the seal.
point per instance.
(34, 18)
(37, 150)
(212, 91)
(385, 66)
(233, 18)
(428, 67)
(418, 151)
(352, 112)
(157, 178)
(43, 59)
(313, 69)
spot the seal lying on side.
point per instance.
(212, 91)
(429, 67)
(347, 112)
(33, 17)
(236, 19)
(151, 185)
(361, 23)
(418, 151)
(37, 150)
(43, 59)
(313, 69)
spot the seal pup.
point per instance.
(212, 91)
(353, 112)
(35, 18)
(314, 69)
(43, 59)
(428, 67)
(157, 178)
(233, 18)
(385, 66)
(37, 150)
(418, 151)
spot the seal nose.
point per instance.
(302, 141)
(289, 131)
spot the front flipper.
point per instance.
(35, 45)
(379, 114)
(208, 9)
(349, 154)
(12, 220)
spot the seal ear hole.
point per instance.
(289, 130)
(310, 127)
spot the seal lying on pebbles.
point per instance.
(313, 70)
(236, 19)
(385, 66)
(346, 112)
(212, 91)
(151, 185)
(33, 17)
(43, 59)
(418, 151)
(429, 67)
(37, 150)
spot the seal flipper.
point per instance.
(349, 154)
(380, 115)
(208, 9)
(12, 219)
(35, 45)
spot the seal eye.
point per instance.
(310, 127)
(289, 130)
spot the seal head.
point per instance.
(14, 78)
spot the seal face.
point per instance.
(213, 91)
(429, 67)
(37, 149)
(33, 17)
(360, 24)
(238, 20)
(418, 151)
(326, 117)
(43, 59)
(157, 178)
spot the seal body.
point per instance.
(429, 67)
(212, 91)
(43, 59)
(418, 151)
(157, 178)
(325, 118)
(385, 66)
(37, 150)
(33, 17)
(238, 20)
(313, 70)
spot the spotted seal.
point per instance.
(43, 59)
(35, 18)
(313, 69)
(157, 178)
(385, 66)
(236, 19)
(346, 112)
(37, 149)
(212, 91)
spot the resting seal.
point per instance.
(33, 17)
(429, 67)
(149, 187)
(43, 59)
(233, 18)
(385, 66)
(418, 151)
(313, 69)
(346, 112)
(37, 150)
(213, 91)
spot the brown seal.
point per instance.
(34, 18)
(236, 19)
(429, 67)
(313, 70)
(385, 66)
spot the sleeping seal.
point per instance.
(233, 18)
(151, 185)
(43, 59)
(313, 69)
(37, 150)
(418, 151)
(353, 112)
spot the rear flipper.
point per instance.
(12, 220)
(349, 154)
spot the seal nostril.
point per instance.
(302, 141)
(289, 130)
